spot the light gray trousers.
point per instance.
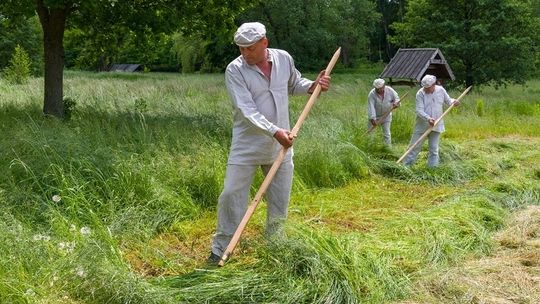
(433, 143)
(385, 127)
(233, 201)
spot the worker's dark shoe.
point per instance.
(213, 259)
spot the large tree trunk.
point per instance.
(53, 22)
(385, 23)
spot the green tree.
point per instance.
(137, 16)
(190, 51)
(25, 32)
(311, 30)
(18, 71)
(87, 52)
(485, 41)
(536, 14)
(390, 11)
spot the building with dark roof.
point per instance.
(125, 67)
(408, 66)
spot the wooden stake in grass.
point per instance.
(270, 175)
(411, 147)
(380, 120)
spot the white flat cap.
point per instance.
(428, 80)
(249, 33)
(378, 83)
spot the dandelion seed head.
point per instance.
(85, 230)
(70, 246)
(80, 272)
(67, 247)
(30, 292)
(41, 237)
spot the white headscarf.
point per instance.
(378, 83)
(428, 80)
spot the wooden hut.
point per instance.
(408, 66)
(125, 67)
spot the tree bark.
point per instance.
(53, 22)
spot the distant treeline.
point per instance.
(484, 41)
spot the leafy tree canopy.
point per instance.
(311, 30)
(139, 16)
(485, 41)
(25, 32)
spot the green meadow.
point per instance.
(117, 204)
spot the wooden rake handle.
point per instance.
(431, 128)
(270, 175)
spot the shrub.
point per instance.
(69, 107)
(18, 72)
(480, 107)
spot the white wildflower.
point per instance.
(41, 237)
(66, 246)
(80, 272)
(54, 280)
(70, 246)
(85, 231)
(72, 228)
(56, 198)
(30, 292)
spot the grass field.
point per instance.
(118, 203)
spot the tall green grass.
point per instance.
(313, 266)
(142, 158)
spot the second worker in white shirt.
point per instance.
(429, 107)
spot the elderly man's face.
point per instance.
(380, 90)
(430, 89)
(255, 53)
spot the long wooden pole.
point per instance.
(270, 175)
(434, 124)
(380, 120)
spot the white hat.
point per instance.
(378, 83)
(428, 81)
(249, 33)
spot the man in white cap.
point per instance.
(259, 82)
(429, 107)
(381, 100)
